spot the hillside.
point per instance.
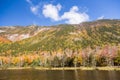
(4, 40)
(97, 33)
(65, 39)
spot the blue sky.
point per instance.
(52, 12)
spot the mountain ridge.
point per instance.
(19, 29)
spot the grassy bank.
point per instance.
(63, 68)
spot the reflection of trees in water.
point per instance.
(76, 75)
(63, 75)
(112, 75)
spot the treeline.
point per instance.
(106, 56)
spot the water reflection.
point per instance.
(58, 75)
(63, 75)
(76, 75)
(112, 75)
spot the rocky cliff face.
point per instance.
(17, 33)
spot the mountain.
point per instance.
(83, 44)
(35, 38)
(4, 40)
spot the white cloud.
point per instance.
(71, 17)
(34, 10)
(59, 7)
(74, 16)
(52, 11)
(29, 1)
(101, 17)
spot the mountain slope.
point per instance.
(4, 40)
(73, 37)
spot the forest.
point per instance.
(88, 44)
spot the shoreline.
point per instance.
(64, 68)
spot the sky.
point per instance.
(53, 12)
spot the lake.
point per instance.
(32, 74)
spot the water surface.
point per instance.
(58, 75)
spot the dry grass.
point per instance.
(65, 68)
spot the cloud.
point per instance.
(35, 9)
(71, 17)
(74, 16)
(101, 17)
(52, 11)
(29, 1)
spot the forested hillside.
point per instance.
(94, 43)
